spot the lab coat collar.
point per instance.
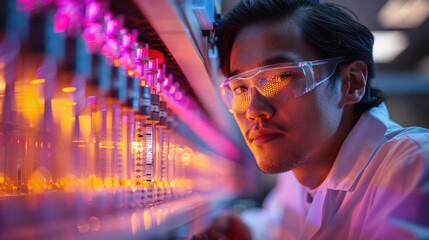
(358, 148)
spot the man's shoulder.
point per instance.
(404, 149)
(416, 137)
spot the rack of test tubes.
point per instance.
(92, 144)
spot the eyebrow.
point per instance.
(269, 61)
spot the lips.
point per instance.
(261, 136)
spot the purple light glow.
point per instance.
(204, 130)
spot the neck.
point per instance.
(314, 170)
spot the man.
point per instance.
(299, 86)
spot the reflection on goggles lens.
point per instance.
(266, 86)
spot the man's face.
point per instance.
(285, 134)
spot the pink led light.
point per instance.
(150, 80)
(111, 25)
(125, 38)
(138, 71)
(161, 73)
(174, 88)
(93, 36)
(139, 53)
(93, 26)
(168, 82)
(127, 48)
(178, 95)
(111, 47)
(161, 79)
(61, 22)
(91, 101)
(68, 16)
(92, 11)
(126, 61)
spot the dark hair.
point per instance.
(328, 28)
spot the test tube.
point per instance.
(79, 67)
(47, 74)
(140, 104)
(149, 130)
(162, 155)
(9, 51)
(43, 53)
(161, 141)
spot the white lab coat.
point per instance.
(378, 188)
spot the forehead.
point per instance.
(267, 42)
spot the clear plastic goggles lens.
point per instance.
(292, 79)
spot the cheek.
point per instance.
(313, 116)
(241, 121)
(326, 111)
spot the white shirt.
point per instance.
(378, 188)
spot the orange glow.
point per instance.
(29, 102)
(85, 125)
(111, 183)
(200, 161)
(70, 103)
(1, 178)
(172, 183)
(37, 81)
(130, 72)
(159, 216)
(39, 180)
(125, 182)
(186, 158)
(106, 145)
(116, 62)
(147, 220)
(172, 89)
(68, 89)
(135, 224)
(2, 80)
(96, 183)
(68, 183)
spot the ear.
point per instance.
(353, 76)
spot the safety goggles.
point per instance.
(292, 79)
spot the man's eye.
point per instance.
(237, 90)
(283, 78)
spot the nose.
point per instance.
(260, 107)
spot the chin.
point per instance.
(267, 167)
(273, 165)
